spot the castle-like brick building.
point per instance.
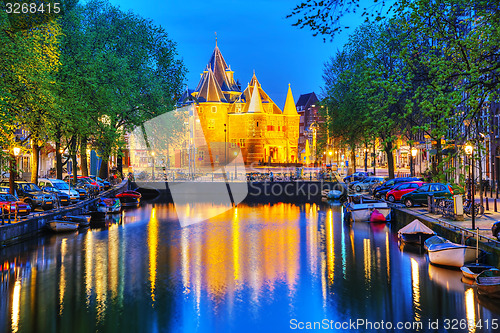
(250, 120)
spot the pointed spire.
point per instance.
(254, 80)
(216, 39)
(209, 90)
(289, 108)
(255, 102)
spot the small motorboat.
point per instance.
(83, 220)
(415, 232)
(360, 208)
(443, 252)
(488, 283)
(472, 270)
(129, 198)
(62, 226)
(377, 217)
(109, 205)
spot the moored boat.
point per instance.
(443, 252)
(83, 220)
(472, 270)
(62, 226)
(488, 283)
(416, 232)
(109, 205)
(377, 217)
(129, 198)
(360, 208)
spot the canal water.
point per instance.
(255, 268)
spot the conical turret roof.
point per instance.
(289, 108)
(208, 89)
(255, 102)
(219, 67)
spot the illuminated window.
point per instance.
(242, 143)
(233, 143)
(211, 124)
(214, 109)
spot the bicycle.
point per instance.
(478, 208)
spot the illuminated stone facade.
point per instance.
(250, 120)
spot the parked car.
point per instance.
(61, 197)
(400, 189)
(8, 204)
(419, 196)
(381, 190)
(366, 183)
(356, 176)
(60, 187)
(85, 183)
(32, 194)
(105, 183)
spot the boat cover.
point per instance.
(416, 227)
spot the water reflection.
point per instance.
(252, 268)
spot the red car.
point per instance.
(8, 205)
(397, 191)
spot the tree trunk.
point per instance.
(59, 165)
(103, 170)
(353, 158)
(83, 157)
(35, 161)
(439, 159)
(366, 157)
(390, 159)
(74, 163)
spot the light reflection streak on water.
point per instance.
(113, 243)
(470, 310)
(62, 282)
(89, 249)
(330, 247)
(387, 257)
(415, 283)
(153, 251)
(236, 247)
(344, 252)
(16, 304)
(367, 252)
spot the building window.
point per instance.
(211, 124)
(233, 143)
(214, 109)
(201, 155)
(242, 143)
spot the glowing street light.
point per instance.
(413, 154)
(469, 150)
(16, 151)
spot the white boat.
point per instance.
(62, 226)
(415, 232)
(361, 209)
(443, 252)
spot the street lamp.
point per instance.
(469, 150)
(153, 160)
(13, 168)
(413, 154)
(235, 154)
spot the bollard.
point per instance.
(496, 205)
(487, 205)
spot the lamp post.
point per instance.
(153, 160)
(13, 169)
(469, 150)
(413, 154)
(235, 154)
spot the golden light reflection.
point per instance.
(89, 249)
(344, 252)
(16, 306)
(387, 257)
(236, 247)
(153, 250)
(415, 278)
(367, 259)
(330, 253)
(62, 281)
(470, 310)
(113, 255)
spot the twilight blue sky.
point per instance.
(252, 35)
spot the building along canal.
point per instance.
(254, 268)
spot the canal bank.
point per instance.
(248, 192)
(30, 227)
(455, 231)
